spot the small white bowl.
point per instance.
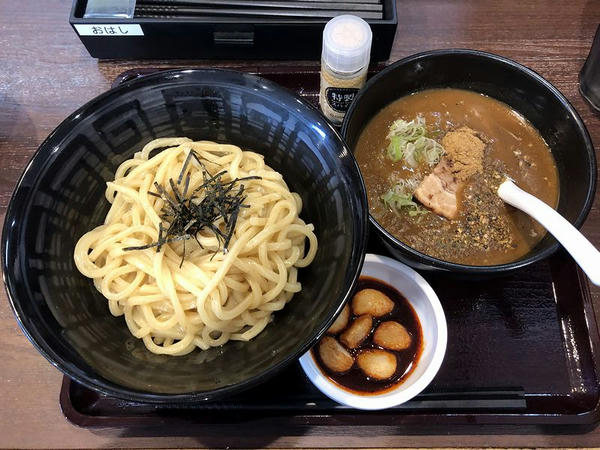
(435, 336)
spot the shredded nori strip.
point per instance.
(189, 215)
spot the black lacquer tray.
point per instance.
(520, 353)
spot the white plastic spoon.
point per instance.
(582, 250)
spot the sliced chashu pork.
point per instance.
(464, 156)
(438, 190)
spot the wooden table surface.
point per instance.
(46, 73)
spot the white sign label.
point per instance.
(109, 30)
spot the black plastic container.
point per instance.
(222, 37)
(519, 360)
(523, 90)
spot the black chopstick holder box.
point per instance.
(222, 36)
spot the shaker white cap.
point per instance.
(347, 43)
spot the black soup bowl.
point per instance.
(523, 90)
(60, 196)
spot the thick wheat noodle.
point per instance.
(213, 296)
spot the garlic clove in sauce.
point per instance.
(392, 335)
(377, 364)
(372, 302)
(357, 331)
(334, 355)
(341, 321)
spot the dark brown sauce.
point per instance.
(355, 379)
(487, 231)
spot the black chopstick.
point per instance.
(177, 11)
(275, 3)
(251, 4)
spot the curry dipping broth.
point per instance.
(485, 230)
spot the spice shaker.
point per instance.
(344, 64)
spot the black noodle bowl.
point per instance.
(60, 196)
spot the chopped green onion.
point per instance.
(423, 150)
(408, 142)
(410, 130)
(395, 148)
(399, 197)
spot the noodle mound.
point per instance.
(192, 292)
